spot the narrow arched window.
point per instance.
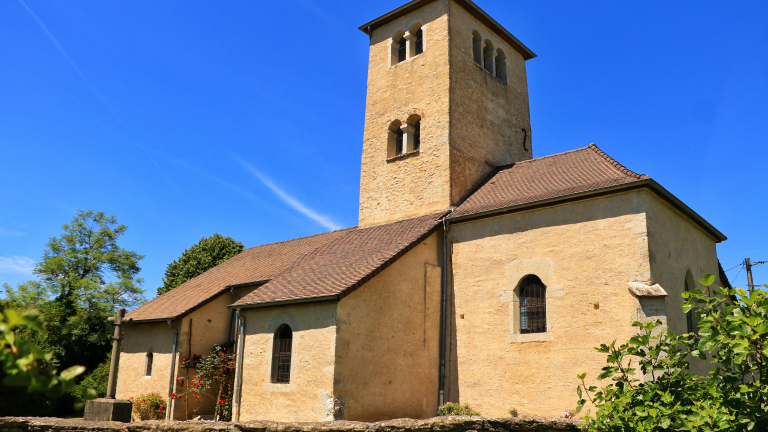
(419, 41)
(281, 355)
(148, 368)
(533, 305)
(690, 319)
(417, 136)
(501, 66)
(477, 48)
(398, 142)
(399, 48)
(488, 57)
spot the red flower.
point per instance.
(179, 396)
(196, 396)
(184, 359)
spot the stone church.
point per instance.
(478, 274)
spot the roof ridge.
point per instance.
(546, 157)
(299, 238)
(616, 163)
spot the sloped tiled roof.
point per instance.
(548, 177)
(340, 266)
(254, 264)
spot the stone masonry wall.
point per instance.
(442, 424)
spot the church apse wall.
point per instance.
(584, 253)
(388, 340)
(679, 250)
(309, 395)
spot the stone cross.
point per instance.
(117, 321)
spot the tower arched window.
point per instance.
(281, 355)
(417, 136)
(533, 305)
(148, 366)
(488, 57)
(477, 48)
(395, 139)
(399, 47)
(419, 41)
(501, 66)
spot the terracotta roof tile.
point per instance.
(339, 267)
(254, 264)
(554, 176)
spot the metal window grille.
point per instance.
(399, 141)
(419, 42)
(533, 306)
(417, 135)
(401, 50)
(281, 355)
(148, 370)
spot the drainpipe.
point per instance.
(443, 318)
(170, 403)
(239, 369)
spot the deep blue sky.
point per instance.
(186, 118)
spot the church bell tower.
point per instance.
(447, 102)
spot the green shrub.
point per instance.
(733, 398)
(454, 409)
(513, 412)
(96, 380)
(149, 406)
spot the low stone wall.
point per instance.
(441, 424)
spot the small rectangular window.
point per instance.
(417, 136)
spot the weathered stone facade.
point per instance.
(471, 121)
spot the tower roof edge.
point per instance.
(469, 6)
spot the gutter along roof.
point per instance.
(573, 175)
(469, 6)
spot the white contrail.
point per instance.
(66, 56)
(291, 201)
(112, 110)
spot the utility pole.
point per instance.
(748, 264)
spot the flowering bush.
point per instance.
(149, 407)
(513, 412)
(454, 409)
(214, 379)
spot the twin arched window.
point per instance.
(407, 45)
(281, 355)
(494, 61)
(533, 305)
(404, 138)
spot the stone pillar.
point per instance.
(493, 62)
(109, 408)
(410, 50)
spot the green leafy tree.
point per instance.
(733, 398)
(198, 259)
(85, 276)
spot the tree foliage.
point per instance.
(198, 259)
(85, 276)
(734, 397)
(23, 364)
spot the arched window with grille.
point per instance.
(281, 355)
(533, 305)
(148, 367)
